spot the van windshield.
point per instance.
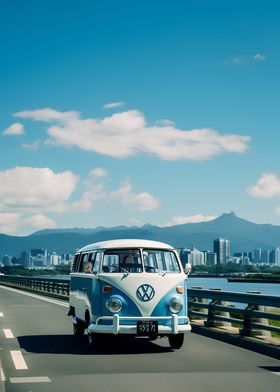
(122, 260)
(160, 261)
(129, 260)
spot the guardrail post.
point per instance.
(195, 300)
(212, 312)
(248, 329)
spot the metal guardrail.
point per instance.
(50, 286)
(214, 307)
(218, 309)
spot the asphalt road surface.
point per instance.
(38, 352)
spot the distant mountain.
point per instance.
(243, 236)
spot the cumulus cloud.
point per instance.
(259, 57)
(35, 189)
(248, 59)
(267, 187)
(32, 146)
(237, 60)
(15, 129)
(180, 220)
(9, 222)
(99, 172)
(140, 201)
(127, 134)
(114, 105)
(40, 221)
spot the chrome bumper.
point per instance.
(117, 328)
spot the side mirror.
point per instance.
(188, 268)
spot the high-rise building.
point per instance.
(265, 256)
(222, 250)
(7, 260)
(257, 255)
(210, 257)
(275, 256)
(192, 256)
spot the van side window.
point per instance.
(84, 264)
(97, 261)
(75, 263)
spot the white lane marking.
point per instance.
(18, 360)
(8, 334)
(2, 375)
(1, 314)
(19, 380)
(53, 301)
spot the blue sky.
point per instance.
(123, 113)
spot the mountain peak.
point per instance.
(228, 216)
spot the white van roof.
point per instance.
(126, 243)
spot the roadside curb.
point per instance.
(248, 343)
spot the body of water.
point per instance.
(223, 284)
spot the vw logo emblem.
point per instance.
(145, 292)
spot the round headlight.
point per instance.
(175, 305)
(114, 304)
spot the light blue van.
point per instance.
(129, 287)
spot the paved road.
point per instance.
(36, 336)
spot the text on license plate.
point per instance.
(147, 327)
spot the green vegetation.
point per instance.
(22, 271)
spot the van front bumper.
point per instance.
(117, 328)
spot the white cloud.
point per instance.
(93, 193)
(40, 221)
(126, 134)
(267, 187)
(31, 146)
(114, 105)
(9, 222)
(48, 115)
(99, 172)
(15, 129)
(180, 220)
(237, 60)
(35, 189)
(259, 57)
(165, 123)
(140, 201)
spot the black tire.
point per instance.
(176, 341)
(78, 328)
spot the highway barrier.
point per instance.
(220, 308)
(53, 287)
(255, 314)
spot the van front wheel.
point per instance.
(78, 328)
(176, 341)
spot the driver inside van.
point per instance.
(132, 261)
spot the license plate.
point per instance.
(145, 328)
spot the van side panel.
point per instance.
(85, 295)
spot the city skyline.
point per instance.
(131, 113)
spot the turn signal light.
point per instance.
(179, 289)
(107, 289)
